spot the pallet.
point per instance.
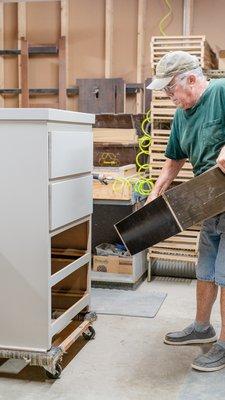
(181, 247)
(195, 45)
(162, 113)
(157, 159)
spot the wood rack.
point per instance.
(195, 45)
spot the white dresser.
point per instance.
(45, 209)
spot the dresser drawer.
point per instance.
(70, 153)
(70, 200)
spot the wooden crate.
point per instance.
(114, 154)
(195, 45)
(157, 159)
(181, 247)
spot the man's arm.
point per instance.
(167, 175)
(221, 159)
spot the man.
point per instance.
(197, 134)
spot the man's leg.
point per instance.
(200, 331)
(215, 358)
(206, 294)
(222, 311)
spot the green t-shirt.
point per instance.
(199, 132)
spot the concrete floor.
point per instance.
(128, 360)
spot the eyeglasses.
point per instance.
(170, 89)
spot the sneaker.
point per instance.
(190, 336)
(211, 361)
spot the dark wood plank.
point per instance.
(118, 121)
(44, 91)
(198, 199)
(114, 155)
(178, 209)
(71, 91)
(119, 95)
(147, 226)
(133, 88)
(43, 49)
(12, 52)
(137, 121)
(99, 95)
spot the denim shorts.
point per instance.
(211, 259)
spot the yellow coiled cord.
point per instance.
(140, 183)
(165, 18)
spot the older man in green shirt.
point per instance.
(197, 134)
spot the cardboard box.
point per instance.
(113, 264)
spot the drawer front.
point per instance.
(70, 200)
(70, 153)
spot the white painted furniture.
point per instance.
(45, 208)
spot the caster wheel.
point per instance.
(90, 316)
(90, 334)
(56, 375)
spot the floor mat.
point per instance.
(124, 302)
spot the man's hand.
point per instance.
(151, 197)
(221, 159)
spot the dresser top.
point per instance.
(45, 114)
